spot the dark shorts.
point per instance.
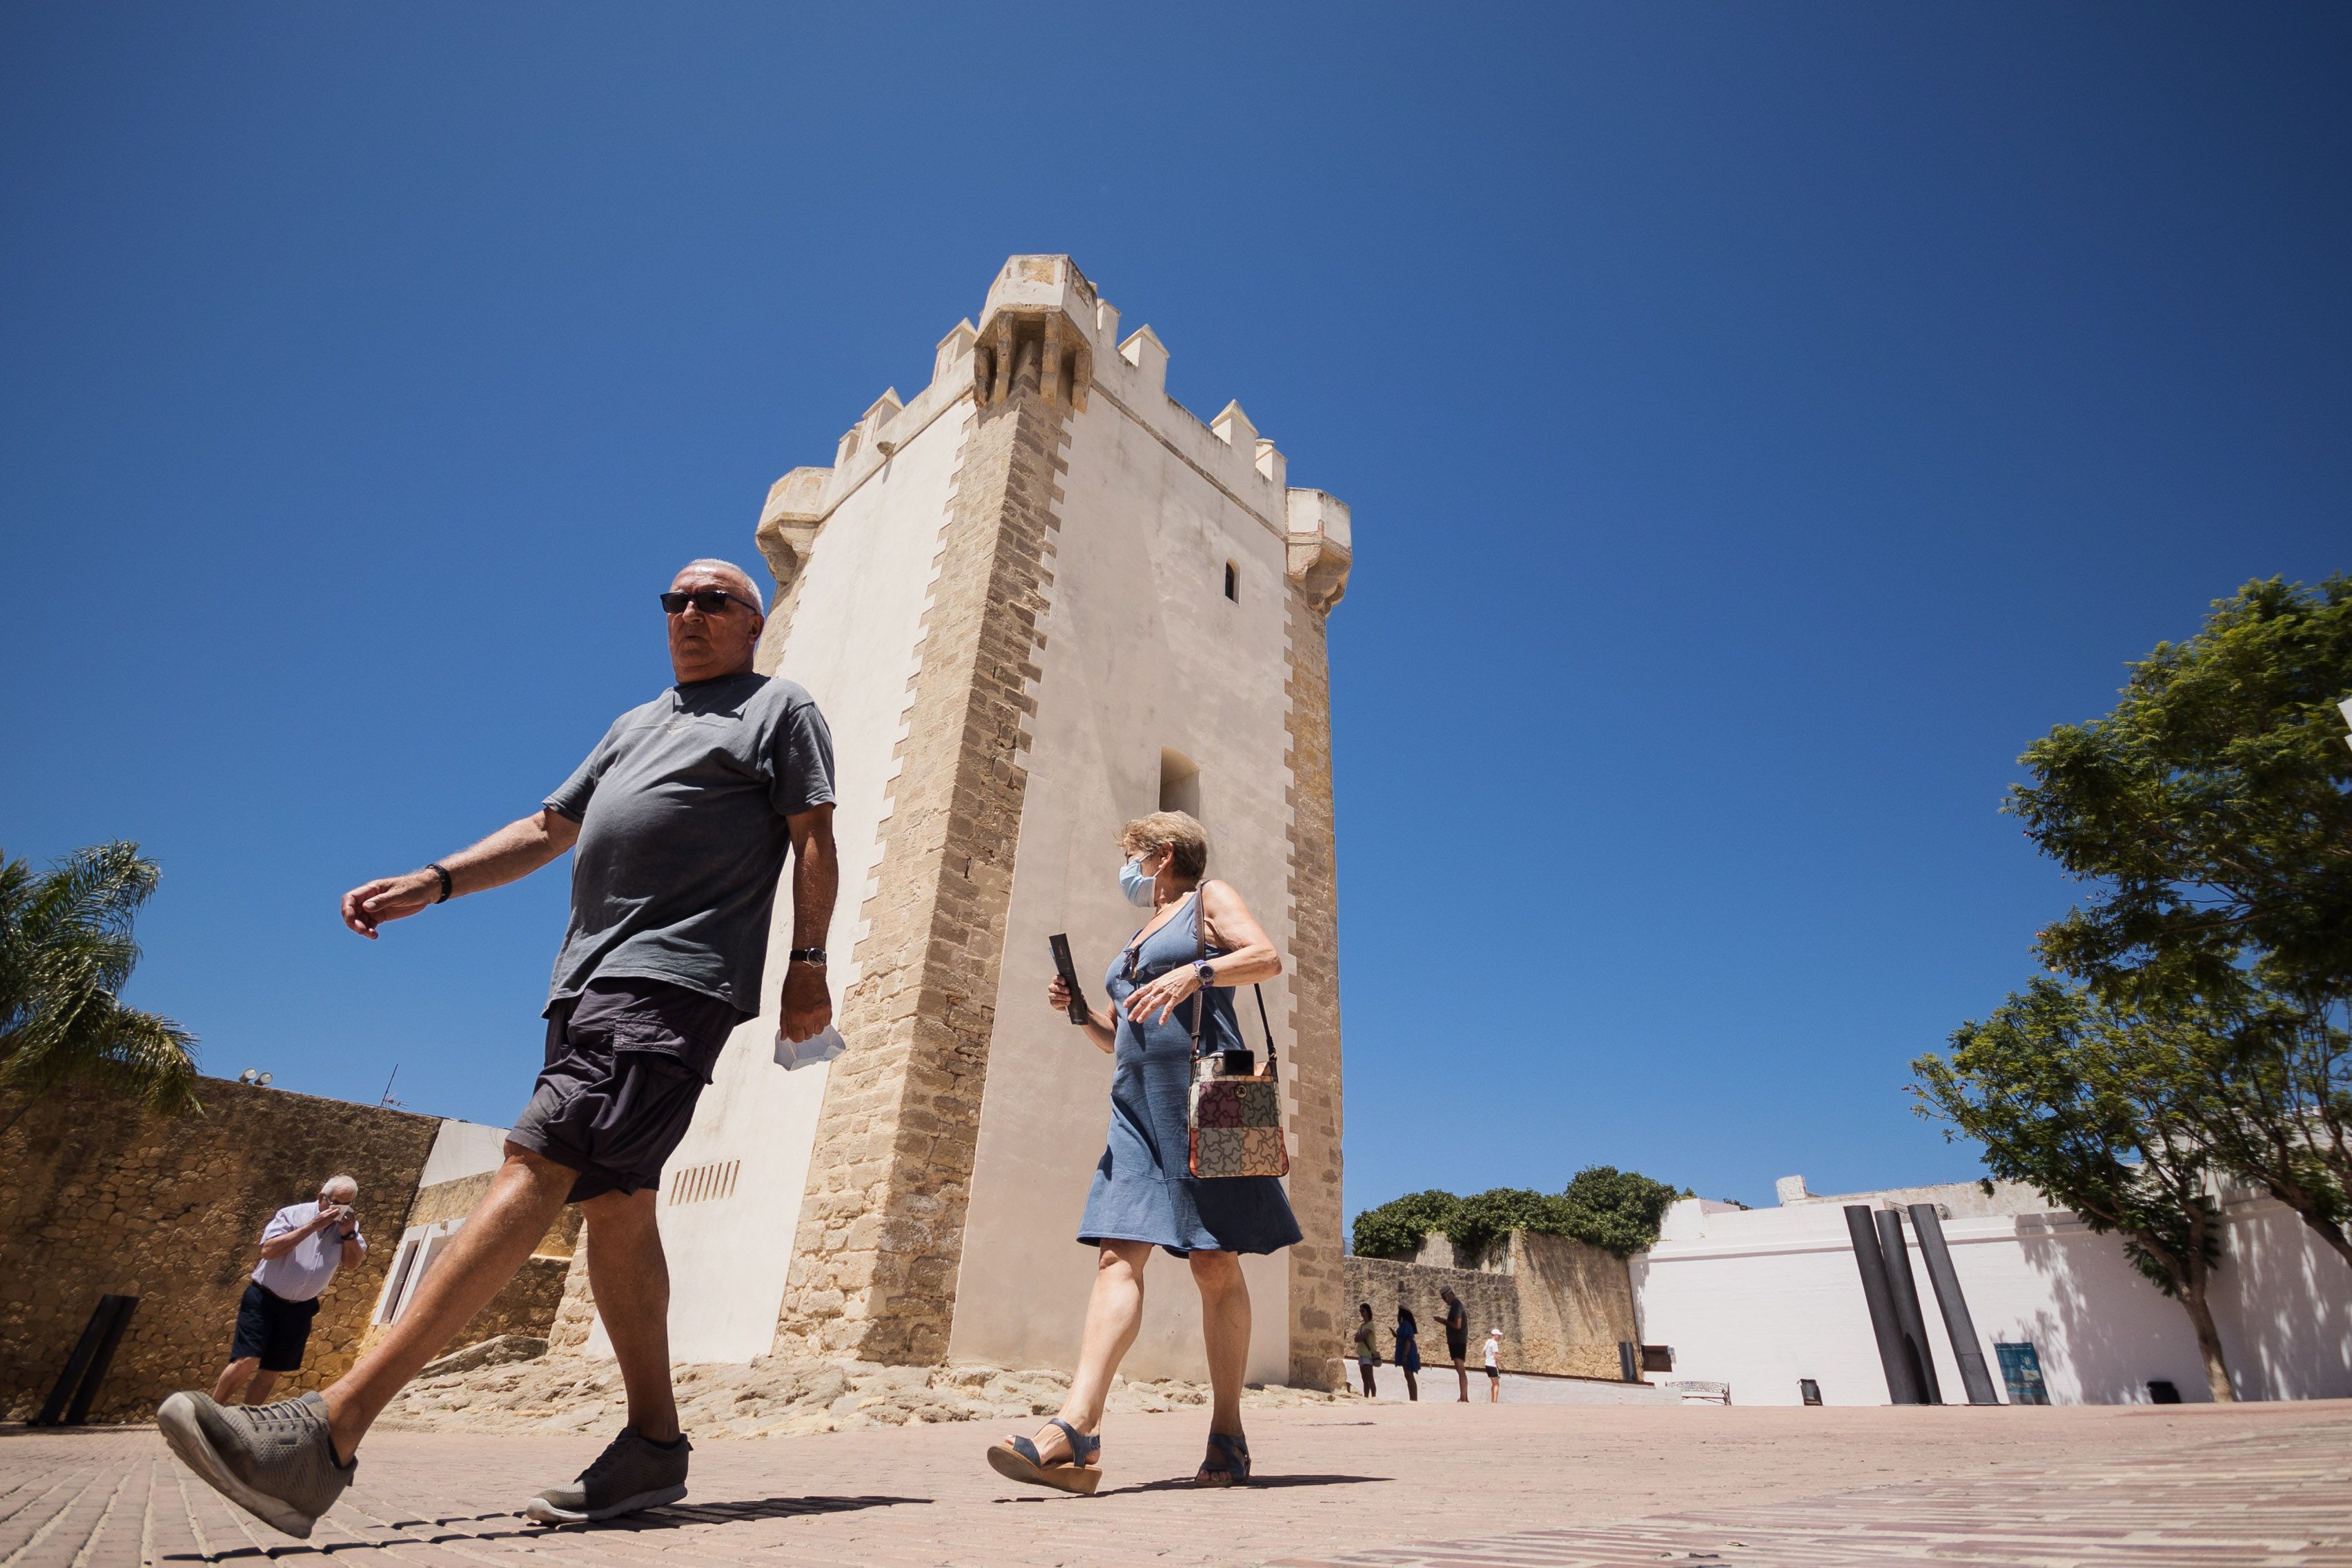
(626, 1059)
(1458, 1347)
(1495, 1373)
(273, 1327)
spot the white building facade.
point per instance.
(1763, 1300)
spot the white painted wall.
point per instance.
(1762, 1298)
(462, 1148)
(1143, 651)
(853, 644)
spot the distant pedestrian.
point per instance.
(1457, 1340)
(680, 823)
(1367, 1350)
(301, 1247)
(1493, 1366)
(1408, 1351)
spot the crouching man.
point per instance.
(301, 1247)
(681, 820)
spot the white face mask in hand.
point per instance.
(1135, 884)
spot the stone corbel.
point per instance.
(789, 523)
(788, 529)
(1319, 537)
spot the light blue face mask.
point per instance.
(1135, 884)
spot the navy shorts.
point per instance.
(626, 1059)
(272, 1327)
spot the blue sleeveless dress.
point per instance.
(1144, 1189)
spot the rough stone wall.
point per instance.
(448, 1200)
(1489, 1299)
(1576, 1303)
(1562, 1305)
(575, 1306)
(881, 1228)
(98, 1197)
(1317, 1284)
(528, 1303)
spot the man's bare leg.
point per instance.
(257, 1392)
(235, 1378)
(630, 1275)
(525, 1196)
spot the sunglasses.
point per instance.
(709, 601)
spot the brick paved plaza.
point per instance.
(1388, 1485)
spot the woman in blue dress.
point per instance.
(1199, 943)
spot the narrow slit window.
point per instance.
(1232, 583)
(1180, 782)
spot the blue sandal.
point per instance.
(1229, 1459)
(1016, 1459)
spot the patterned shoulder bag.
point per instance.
(1235, 1121)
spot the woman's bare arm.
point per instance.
(1229, 925)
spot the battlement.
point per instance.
(1043, 326)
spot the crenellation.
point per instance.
(947, 361)
(875, 422)
(1148, 355)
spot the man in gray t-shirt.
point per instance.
(681, 820)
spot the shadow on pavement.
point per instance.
(682, 1513)
(435, 1532)
(1255, 1484)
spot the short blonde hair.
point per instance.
(1186, 841)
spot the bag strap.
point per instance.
(1200, 1006)
(1200, 1001)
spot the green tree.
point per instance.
(1484, 1218)
(1612, 1209)
(65, 953)
(1617, 1210)
(1397, 1229)
(2082, 1101)
(2212, 814)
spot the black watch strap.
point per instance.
(447, 886)
(814, 955)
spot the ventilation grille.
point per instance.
(704, 1183)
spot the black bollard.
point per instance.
(1974, 1375)
(1905, 1290)
(1893, 1355)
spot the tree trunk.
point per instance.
(2209, 1338)
(2329, 1231)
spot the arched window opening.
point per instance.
(1232, 583)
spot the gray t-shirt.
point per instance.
(681, 809)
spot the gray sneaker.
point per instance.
(630, 1474)
(274, 1461)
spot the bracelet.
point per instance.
(447, 886)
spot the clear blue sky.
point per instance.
(1762, 422)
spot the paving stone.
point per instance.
(1356, 1485)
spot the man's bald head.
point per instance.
(706, 643)
(739, 580)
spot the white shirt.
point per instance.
(307, 1267)
(1493, 1346)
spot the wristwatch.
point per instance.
(1205, 972)
(812, 956)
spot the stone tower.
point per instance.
(1036, 600)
